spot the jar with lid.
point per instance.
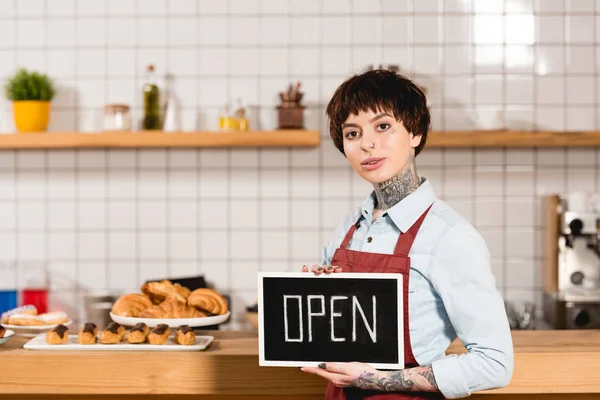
(117, 117)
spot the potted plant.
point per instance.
(30, 93)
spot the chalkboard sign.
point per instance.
(306, 319)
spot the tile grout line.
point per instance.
(106, 153)
(229, 154)
(168, 152)
(290, 155)
(198, 151)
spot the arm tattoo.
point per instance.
(393, 190)
(419, 379)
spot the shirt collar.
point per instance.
(407, 211)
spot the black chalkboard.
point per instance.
(306, 319)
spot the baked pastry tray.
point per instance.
(39, 343)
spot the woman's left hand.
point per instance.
(353, 374)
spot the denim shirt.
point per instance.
(452, 292)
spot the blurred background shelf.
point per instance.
(285, 138)
(493, 139)
(51, 140)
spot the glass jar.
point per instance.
(117, 117)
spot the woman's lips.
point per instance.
(371, 164)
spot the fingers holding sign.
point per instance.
(322, 269)
(352, 374)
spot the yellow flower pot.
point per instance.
(31, 115)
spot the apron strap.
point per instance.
(349, 235)
(405, 240)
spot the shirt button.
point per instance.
(369, 239)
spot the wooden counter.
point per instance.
(546, 362)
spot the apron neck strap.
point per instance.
(405, 240)
(349, 235)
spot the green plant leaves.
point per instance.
(25, 85)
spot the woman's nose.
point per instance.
(367, 141)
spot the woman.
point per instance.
(379, 121)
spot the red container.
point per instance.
(36, 297)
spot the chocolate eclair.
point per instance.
(159, 335)
(138, 333)
(2, 331)
(113, 333)
(185, 335)
(58, 335)
(88, 333)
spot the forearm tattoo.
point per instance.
(393, 190)
(418, 379)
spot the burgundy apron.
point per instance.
(397, 263)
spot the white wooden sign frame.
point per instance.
(308, 275)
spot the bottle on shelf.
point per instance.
(226, 121)
(151, 120)
(241, 121)
(171, 114)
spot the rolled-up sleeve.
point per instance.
(461, 275)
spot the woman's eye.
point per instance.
(383, 127)
(351, 134)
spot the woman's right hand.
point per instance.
(320, 269)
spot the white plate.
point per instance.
(172, 322)
(34, 330)
(7, 335)
(39, 343)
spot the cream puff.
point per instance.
(185, 335)
(138, 334)
(58, 335)
(88, 334)
(159, 335)
(113, 333)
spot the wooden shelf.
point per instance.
(55, 140)
(496, 139)
(284, 138)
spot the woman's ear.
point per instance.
(415, 140)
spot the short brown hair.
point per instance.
(379, 90)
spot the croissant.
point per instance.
(185, 292)
(171, 308)
(160, 291)
(130, 305)
(208, 300)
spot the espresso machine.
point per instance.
(572, 269)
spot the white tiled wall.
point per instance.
(110, 219)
